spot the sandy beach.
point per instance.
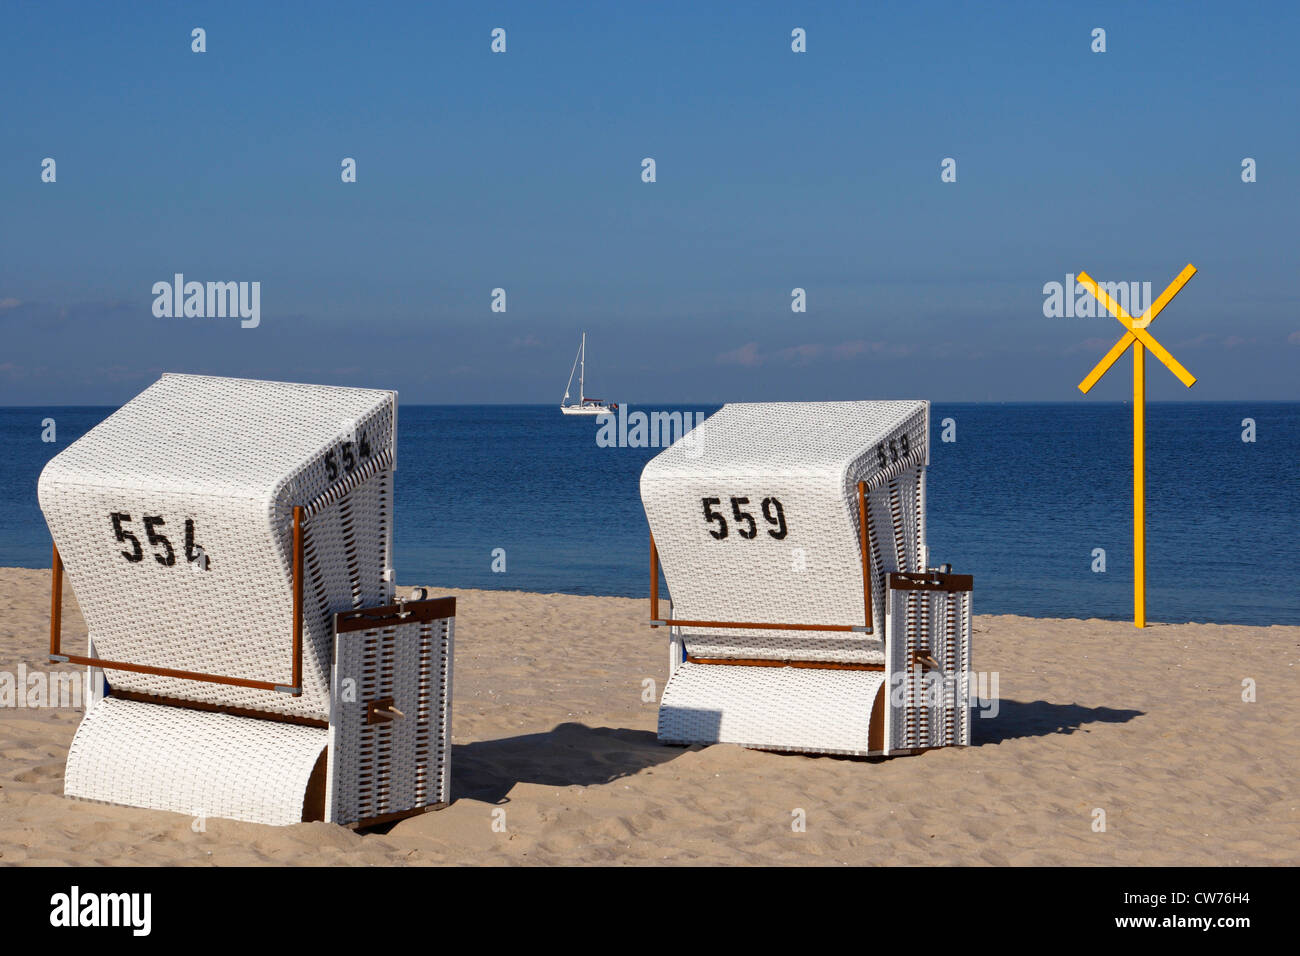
(550, 726)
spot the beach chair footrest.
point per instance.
(200, 763)
(774, 708)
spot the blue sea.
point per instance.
(1020, 500)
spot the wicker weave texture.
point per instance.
(391, 766)
(228, 458)
(772, 708)
(193, 762)
(810, 458)
(928, 707)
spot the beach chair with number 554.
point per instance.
(229, 543)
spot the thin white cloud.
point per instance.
(750, 356)
(800, 354)
(746, 355)
(1091, 345)
(848, 350)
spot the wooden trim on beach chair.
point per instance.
(366, 618)
(863, 544)
(56, 602)
(294, 688)
(231, 711)
(929, 581)
(764, 662)
(297, 600)
(763, 626)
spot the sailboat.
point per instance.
(585, 406)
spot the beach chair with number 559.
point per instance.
(805, 615)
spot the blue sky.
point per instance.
(522, 170)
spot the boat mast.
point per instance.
(570, 383)
(582, 372)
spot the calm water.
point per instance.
(1020, 500)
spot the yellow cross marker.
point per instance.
(1137, 336)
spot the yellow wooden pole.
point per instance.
(1137, 337)
(1139, 486)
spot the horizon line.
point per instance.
(625, 404)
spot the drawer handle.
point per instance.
(927, 661)
(382, 711)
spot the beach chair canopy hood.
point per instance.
(755, 515)
(174, 521)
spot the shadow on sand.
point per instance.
(569, 755)
(574, 754)
(1040, 718)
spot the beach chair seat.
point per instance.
(805, 615)
(229, 544)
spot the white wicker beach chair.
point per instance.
(804, 614)
(229, 545)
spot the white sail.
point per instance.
(571, 371)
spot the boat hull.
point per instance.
(586, 410)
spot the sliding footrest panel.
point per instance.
(772, 708)
(194, 762)
(390, 733)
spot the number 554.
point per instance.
(163, 552)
